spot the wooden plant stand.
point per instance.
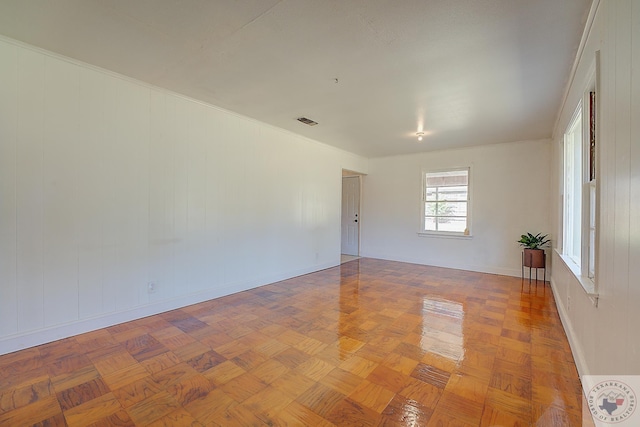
(534, 260)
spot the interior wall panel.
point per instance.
(619, 286)
(197, 196)
(179, 136)
(214, 220)
(598, 350)
(60, 202)
(233, 197)
(604, 35)
(633, 300)
(91, 104)
(161, 172)
(8, 139)
(110, 204)
(132, 138)
(117, 184)
(29, 190)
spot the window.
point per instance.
(592, 230)
(445, 198)
(573, 188)
(580, 190)
(592, 187)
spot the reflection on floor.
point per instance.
(370, 342)
(346, 258)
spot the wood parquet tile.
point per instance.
(368, 343)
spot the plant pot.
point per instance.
(533, 258)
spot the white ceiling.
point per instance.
(466, 72)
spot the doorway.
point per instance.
(350, 237)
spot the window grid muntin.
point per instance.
(431, 215)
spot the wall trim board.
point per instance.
(576, 349)
(574, 68)
(43, 336)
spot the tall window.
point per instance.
(580, 189)
(573, 188)
(445, 199)
(592, 186)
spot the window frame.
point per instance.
(569, 211)
(443, 233)
(586, 271)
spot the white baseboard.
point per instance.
(41, 336)
(576, 348)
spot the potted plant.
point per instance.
(533, 256)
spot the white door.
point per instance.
(350, 215)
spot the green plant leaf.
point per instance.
(532, 241)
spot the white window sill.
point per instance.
(587, 284)
(444, 235)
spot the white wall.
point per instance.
(107, 184)
(606, 339)
(510, 196)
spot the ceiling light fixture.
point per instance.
(420, 135)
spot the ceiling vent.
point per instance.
(307, 121)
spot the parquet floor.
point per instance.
(368, 343)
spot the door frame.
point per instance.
(352, 174)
